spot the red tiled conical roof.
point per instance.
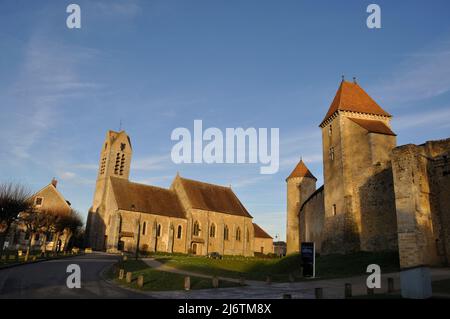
(351, 97)
(301, 171)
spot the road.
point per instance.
(48, 279)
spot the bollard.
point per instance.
(215, 282)
(34, 258)
(370, 291)
(268, 280)
(287, 296)
(348, 290)
(390, 284)
(242, 281)
(140, 281)
(17, 257)
(121, 273)
(125, 257)
(25, 259)
(128, 278)
(187, 283)
(318, 292)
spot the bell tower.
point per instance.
(115, 159)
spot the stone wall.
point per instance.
(422, 191)
(312, 218)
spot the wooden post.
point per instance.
(242, 281)
(390, 285)
(215, 282)
(140, 281)
(187, 283)
(125, 257)
(291, 277)
(268, 280)
(318, 292)
(128, 278)
(287, 296)
(121, 273)
(348, 290)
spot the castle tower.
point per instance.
(359, 205)
(301, 183)
(115, 159)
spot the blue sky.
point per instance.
(159, 65)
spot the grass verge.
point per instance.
(284, 269)
(155, 280)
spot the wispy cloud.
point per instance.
(152, 163)
(435, 117)
(47, 78)
(424, 74)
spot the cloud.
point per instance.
(47, 78)
(241, 183)
(436, 118)
(152, 163)
(423, 75)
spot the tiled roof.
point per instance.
(301, 171)
(259, 232)
(351, 97)
(146, 199)
(373, 126)
(213, 198)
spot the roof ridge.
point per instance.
(141, 184)
(205, 183)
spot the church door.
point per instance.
(194, 249)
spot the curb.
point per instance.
(36, 261)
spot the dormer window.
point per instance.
(38, 201)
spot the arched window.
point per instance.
(117, 166)
(225, 232)
(196, 230)
(122, 164)
(179, 230)
(144, 228)
(212, 231)
(238, 234)
(158, 230)
(248, 236)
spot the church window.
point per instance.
(102, 166)
(122, 164)
(212, 231)
(238, 234)
(179, 231)
(196, 231)
(330, 130)
(334, 209)
(248, 236)
(38, 201)
(144, 228)
(225, 233)
(158, 230)
(332, 153)
(117, 166)
(106, 145)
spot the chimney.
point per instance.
(54, 182)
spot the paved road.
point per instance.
(48, 279)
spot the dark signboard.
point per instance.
(308, 254)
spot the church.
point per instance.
(189, 217)
(376, 196)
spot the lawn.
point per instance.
(155, 280)
(284, 269)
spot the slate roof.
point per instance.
(373, 126)
(259, 232)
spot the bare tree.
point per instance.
(14, 199)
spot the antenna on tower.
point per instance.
(120, 125)
(343, 77)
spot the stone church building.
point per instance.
(376, 195)
(189, 217)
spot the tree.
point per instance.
(14, 199)
(35, 222)
(70, 224)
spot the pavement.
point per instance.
(48, 279)
(332, 288)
